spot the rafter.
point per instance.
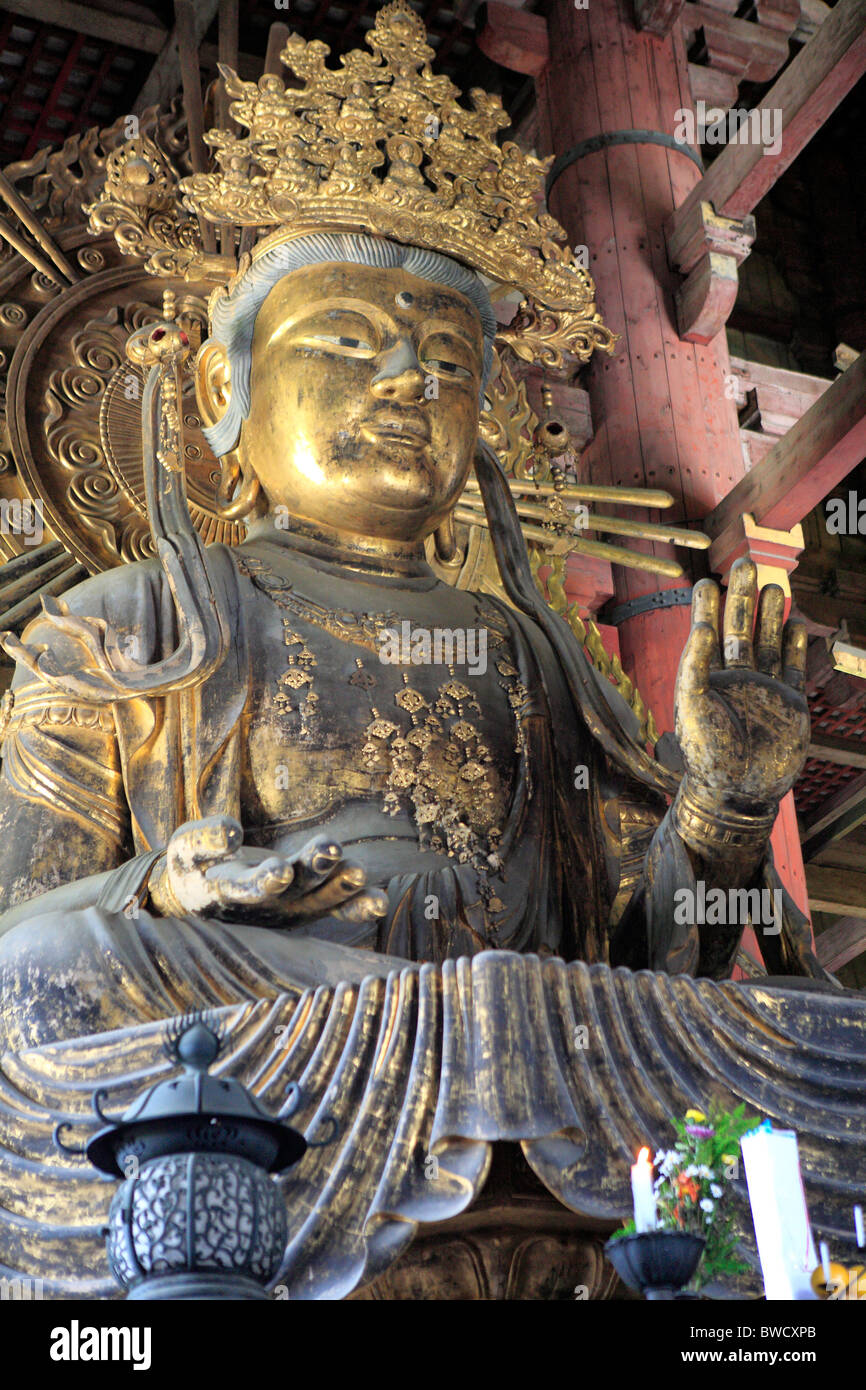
(164, 78)
(809, 89)
(832, 890)
(806, 463)
(835, 819)
(95, 24)
(841, 943)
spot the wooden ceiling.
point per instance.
(65, 66)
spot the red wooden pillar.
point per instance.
(659, 408)
(661, 413)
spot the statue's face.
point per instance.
(364, 399)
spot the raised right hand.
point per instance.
(209, 871)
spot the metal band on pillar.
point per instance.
(662, 598)
(619, 137)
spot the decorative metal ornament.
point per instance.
(198, 1215)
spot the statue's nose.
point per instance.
(399, 376)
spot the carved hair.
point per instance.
(234, 314)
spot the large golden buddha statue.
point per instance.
(378, 767)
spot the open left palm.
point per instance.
(740, 712)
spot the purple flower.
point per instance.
(700, 1131)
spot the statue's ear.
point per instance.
(212, 382)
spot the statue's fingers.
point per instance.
(240, 885)
(794, 644)
(204, 841)
(771, 621)
(366, 907)
(706, 598)
(316, 862)
(14, 648)
(344, 883)
(740, 614)
(693, 678)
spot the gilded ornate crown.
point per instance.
(381, 145)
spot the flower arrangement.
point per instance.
(689, 1188)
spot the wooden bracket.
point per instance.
(707, 249)
(514, 38)
(774, 552)
(657, 16)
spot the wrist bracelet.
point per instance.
(706, 829)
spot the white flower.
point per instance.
(707, 1204)
(659, 1158)
(704, 1171)
(715, 1189)
(692, 1171)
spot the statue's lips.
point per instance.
(412, 433)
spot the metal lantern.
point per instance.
(199, 1215)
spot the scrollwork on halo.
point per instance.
(136, 542)
(43, 284)
(95, 492)
(12, 315)
(91, 258)
(78, 384)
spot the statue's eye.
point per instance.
(338, 331)
(344, 341)
(449, 368)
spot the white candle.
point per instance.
(825, 1261)
(859, 1227)
(642, 1192)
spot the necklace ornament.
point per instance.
(431, 757)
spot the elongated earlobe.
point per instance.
(239, 494)
(445, 540)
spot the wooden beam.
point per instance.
(164, 78)
(842, 892)
(657, 16)
(278, 35)
(806, 463)
(812, 86)
(752, 52)
(835, 819)
(95, 24)
(191, 80)
(848, 752)
(715, 88)
(841, 943)
(187, 47)
(515, 39)
(228, 56)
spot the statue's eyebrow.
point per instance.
(448, 326)
(357, 306)
(374, 314)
